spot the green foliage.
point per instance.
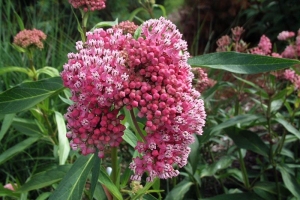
(241, 63)
(28, 94)
(72, 185)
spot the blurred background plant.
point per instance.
(249, 149)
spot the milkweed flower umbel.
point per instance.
(30, 38)
(87, 5)
(113, 70)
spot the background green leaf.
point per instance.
(45, 178)
(64, 145)
(250, 141)
(8, 119)
(179, 190)
(241, 63)
(9, 153)
(242, 196)
(288, 127)
(72, 185)
(289, 180)
(107, 182)
(28, 94)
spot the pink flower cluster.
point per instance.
(291, 76)
(225, 43)
(113, 70)
(264, 46)
(201, 81)
(293, 49)
(284, 35)
(87, 5)
(127, 27)
(30, 38)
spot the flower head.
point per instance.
(87, 5)
(237, 33)
(284, 35)
(127, 27)
(30, 38)
(223, 43)
(113, 70)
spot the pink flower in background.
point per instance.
(127, 27)
(10, 186)
(284, 35)
(30, 38)
(223, 43)
(265, 45)
(289, 74)
(237, 33)
(87, 5)
(289, 52)
(257, 51)
(201, 81)
(276, 55)
(111, 71)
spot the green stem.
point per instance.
(277, 182)
(197, 191)
(114, 161)
(136, 125)
(244, 171)
(85, 17)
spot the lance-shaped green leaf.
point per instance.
(14, 150)
(45, 178)
(8, 119)
(240, 119)
(72, 185)
(250, 141)
(105, 180)
(241, 63)
(64, 145)
(28, 94)
(289, 127)
(212, 169)
(179, 190)
(289, 180)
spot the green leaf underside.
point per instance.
(72, 185)
(28, 94)
(241, 63)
